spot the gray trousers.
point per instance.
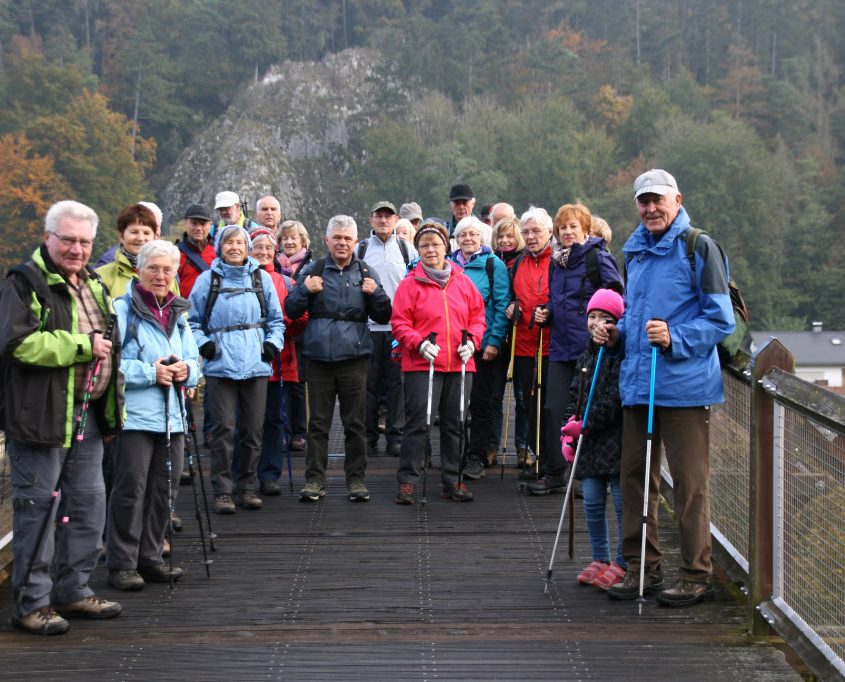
(35, 473)
(235, 403)
(139, 506)
(445, 402)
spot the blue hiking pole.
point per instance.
(593, 384)
(649, 433)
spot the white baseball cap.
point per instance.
(224, 199)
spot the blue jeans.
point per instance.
(595, 497)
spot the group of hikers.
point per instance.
(426, 320)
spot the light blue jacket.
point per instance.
(235, 324)
(659, 287)
(145, 341)
(495, 304)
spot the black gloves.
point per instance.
(208, 350)
(269, 352)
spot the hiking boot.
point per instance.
(249, 500)
(474, 469)
(614, 574)
(128, 580)
(271, 488)
(223, 504)
(176, 522)
(492, 457)
(91, 607)
(160, 573)
(593, 571)
(548, 485)
(42, 621)
(358, 491)
(312, 492)
(394, 447)
(686, 593)
(458, 493)
(298, 444)
(407, 494)
(629, 588)
(521, 454)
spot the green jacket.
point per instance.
(39, 348)
(117, 275)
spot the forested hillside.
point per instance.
(528, 101)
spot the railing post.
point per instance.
(760, 527)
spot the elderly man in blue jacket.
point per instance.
(340, 293)
(685, 323)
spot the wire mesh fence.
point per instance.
(5, 496)
(730, 457)
(809, 552)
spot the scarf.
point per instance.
(439, 277)
(287, 264)
(133, 260)
(561, 255)
(161, 311)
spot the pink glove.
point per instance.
(572, 427)
(566, 448)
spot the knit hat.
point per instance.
(608, 301)
(432, 226)
(411, 211)
(226, 232)
(259, 232)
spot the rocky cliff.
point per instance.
(295, 135)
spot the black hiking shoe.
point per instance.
(629, 588)
(474, 469)
(548, 485)
(686, 593)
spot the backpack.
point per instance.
(737, 346)
(215, 290)
(132, 325)
(192, 256)
(403, 248)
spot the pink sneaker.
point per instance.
(614, 574)
(593, 571)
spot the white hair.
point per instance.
(155, 249)
(70, 209)
(471, 221)
(155, 209)
(338, 222)
(538, 215)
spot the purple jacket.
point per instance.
(569, 293)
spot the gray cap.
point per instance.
(381, 205)
(655, 181)
(410, 211)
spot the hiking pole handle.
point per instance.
(464, 337)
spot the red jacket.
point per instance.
(531, 288)
(287, 358)
(420, 307)
(188, 272)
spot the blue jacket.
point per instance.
(238, 351)
(495, 305)
(144, 341)
(337, 316)
(570, 290)
(659, 286)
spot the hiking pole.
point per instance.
(462, 435)
(536, 392)
(578, 414)
(77, 436)
(646, 483)
(193, 426)
(432, 339)
(169, 462)
(599, 358)
(509, 381)
(180, 393)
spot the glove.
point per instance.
(572, 427)
(208, 350)
(566, 448)
(269, 352)
(465, 352)
(429, 350)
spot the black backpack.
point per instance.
(737, 346)
(317, 271)
(215, 290)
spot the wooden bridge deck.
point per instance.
(338, 590)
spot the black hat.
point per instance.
(198, 211)
(461, 193)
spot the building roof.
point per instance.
(818, 348)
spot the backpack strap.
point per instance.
(192, 256)
(403, 248)
(591, 273)
(489, 267)
(37, 282)
(214, 292)
(319, 312)
(362, 248)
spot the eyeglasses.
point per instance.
(155, 269)
(69, 242)
(468, 233)
(532, 233)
